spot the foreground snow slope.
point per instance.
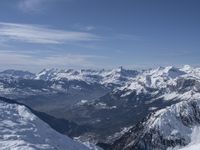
(22, 130)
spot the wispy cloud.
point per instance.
(32, 5)
(15, 59)
(42, 35)
(127, 37)
(84, 27)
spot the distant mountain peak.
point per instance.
(187, 68)
(11, 73)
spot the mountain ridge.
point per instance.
(108, 101)
(20, 129)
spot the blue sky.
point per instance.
(36, 34)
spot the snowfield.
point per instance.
(22, 130)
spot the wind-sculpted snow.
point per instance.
(22, 130)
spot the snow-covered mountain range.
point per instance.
(114, 103)
(56, 78)
(70, 85)
(116, 76)
(127, 105)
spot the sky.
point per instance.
(37, 34)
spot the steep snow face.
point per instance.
(174, 121)
(22, 130)
(178, 122)
(171, 127)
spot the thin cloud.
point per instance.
(31, 5)
(16, 59)
(129, 37)
(84, 28)
(42, 35)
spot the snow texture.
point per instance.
(22, 130)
